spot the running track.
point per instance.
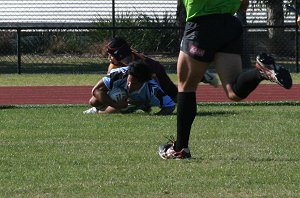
(81, 94)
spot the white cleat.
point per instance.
(273, 72)
(92, 110)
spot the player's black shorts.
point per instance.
(204, 36)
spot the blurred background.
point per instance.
(69, 36)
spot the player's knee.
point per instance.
(96, 93)
(232, 96)
(92, 101)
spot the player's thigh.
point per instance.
(228, 67)
(190, 72)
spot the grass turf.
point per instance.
(239, 150)
(71, 79)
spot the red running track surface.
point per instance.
(81, 94)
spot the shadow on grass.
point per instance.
(211, 113)
(7, 107)
(200, 159)
(217, 113)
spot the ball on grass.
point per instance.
(117, 94)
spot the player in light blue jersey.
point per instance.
(143, 92)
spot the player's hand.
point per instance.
(298, 21)
(244, 6)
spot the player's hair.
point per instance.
(118, 48)
(139, 70)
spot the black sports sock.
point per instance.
(186, 112)
(246, 82)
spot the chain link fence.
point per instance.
(69, 36)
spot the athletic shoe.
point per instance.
(166, 151)
(92, 110)
(273, 72)
(211, 79)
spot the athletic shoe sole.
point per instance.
(281, 76)
(284, 77)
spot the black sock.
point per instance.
(246, 82)
(186, 112)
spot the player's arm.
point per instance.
(110, 67)
(103, 97)
(97, 86)
(109, 109)
(101, 94)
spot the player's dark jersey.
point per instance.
(164, 81)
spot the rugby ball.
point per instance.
(117, 94)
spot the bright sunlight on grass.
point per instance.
(238, 151)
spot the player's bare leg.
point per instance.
(190, 73)
(229, 67)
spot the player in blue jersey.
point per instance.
(143, 91)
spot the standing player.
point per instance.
(143, 92)
(212, 33)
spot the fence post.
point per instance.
(297, 39)
(297, 49)
(113, 18)
(19, 50)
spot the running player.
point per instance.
(213, 34)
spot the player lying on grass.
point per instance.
(142, 92)
(121, 54)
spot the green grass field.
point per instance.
(248, 150)
(239, 149)
(69, 79)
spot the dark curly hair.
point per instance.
(139, 70)
(118, 48)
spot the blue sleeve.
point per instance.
(106, 81)
(117, 77)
